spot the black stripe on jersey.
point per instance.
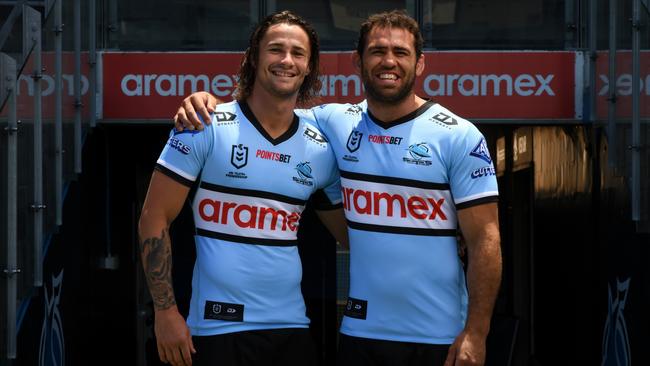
(256, 123)
(246, 240)
(394, 181)
(476, 202)
(173, 175)
(253, 193)
(401, 230)
(409, 117)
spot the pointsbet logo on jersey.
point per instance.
(305, 176)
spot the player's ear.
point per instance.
(419, 66)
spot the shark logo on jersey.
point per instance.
(239, 156)
(420, 154)
(419, 151)
(224, 116)
(304, 174)
(481, 151)
(354, 141)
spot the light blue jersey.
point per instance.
(402, 183)
(251, 191)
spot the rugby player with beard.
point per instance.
(409, 300)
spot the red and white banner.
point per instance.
(622, 84)
(499, 85)
(25, 101)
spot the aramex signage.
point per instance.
(499, 85)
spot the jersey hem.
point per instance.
(428, 340)
(242, 328)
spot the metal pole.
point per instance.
(92, 62)
(636, 118)
(570, 25)
(37, 205)
(8, 83)
(593, 56)
(611, 113)
(58, 113)
(77, 86)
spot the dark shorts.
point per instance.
(356, 351)
(292, 346)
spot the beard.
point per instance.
(380, 95)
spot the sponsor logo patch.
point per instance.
(315, 136)
(356, 308)
(353, 110)
(223, 311)
(274, 156)
(481, 151)
(485, 171)
(380, 139)
(224, 116)
(177, 144)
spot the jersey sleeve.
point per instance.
(471, 173)
(328, 194)
(184, 154)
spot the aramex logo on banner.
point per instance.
(517, 85)
(223, 85)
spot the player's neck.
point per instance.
(274, 114)
(388, 112)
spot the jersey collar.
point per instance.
(256, 123)
(386, 125)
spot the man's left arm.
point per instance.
(480, 228)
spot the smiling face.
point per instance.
(389, 64)
(283, 61)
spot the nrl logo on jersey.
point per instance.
(481, 151)
(354, 141)
(354, 110)
(239, 156)
(305, 176)
(418, 154)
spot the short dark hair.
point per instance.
(394, 18)
(310, 86)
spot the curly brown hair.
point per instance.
(394, 18)
(311, 85)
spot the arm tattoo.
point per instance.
(157, 262)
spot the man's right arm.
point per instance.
(164, 201)
(199, 104)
